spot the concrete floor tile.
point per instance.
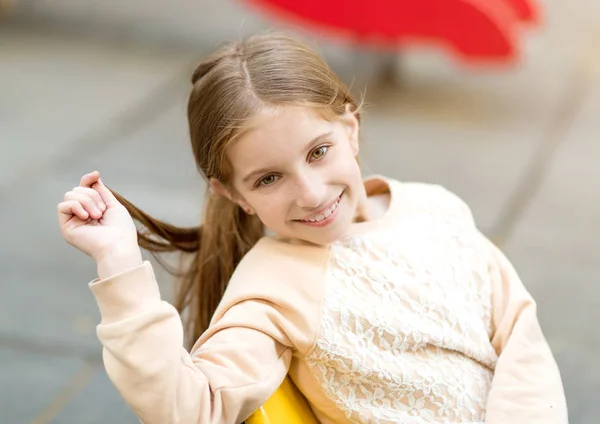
(29, 381)
(98, 403)
(41, 118)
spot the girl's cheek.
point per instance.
(264, 206)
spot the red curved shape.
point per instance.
(472, 29)
(526, 10)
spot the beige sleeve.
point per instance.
(233, 369)
(527, 386)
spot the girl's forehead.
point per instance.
(283, 126)
(283, 117)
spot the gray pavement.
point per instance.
(84, 86)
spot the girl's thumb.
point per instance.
(107, 196)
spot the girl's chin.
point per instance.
(322, 235)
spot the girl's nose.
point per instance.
(310, 193)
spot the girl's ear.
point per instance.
(246, 207)
(222, 190)
(352, 126)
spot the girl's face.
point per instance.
(298, 172)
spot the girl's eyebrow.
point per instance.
(318, 138)
(260, 171)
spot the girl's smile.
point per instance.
(323, 217)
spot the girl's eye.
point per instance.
(319, 152)
(268, 180)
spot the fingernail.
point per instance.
(102, 206)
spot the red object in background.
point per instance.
(474, 30)
(526, 10)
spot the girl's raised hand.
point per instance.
(93, 220)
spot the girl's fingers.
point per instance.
(107, 197)
(93, 194)
(88, 180)
(88, 204)
(70, 208)
(92, 180)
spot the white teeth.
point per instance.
(324, 215)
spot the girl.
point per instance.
(379, 298)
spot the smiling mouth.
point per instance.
(324, 214)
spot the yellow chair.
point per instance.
(286, 406)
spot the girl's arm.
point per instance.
(527, 386)
(232, 370)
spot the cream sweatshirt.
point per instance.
(412, 318)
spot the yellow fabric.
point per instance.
(286, 406)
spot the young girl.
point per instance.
(379, 298)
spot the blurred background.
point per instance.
(502, 108)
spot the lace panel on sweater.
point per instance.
(405, 333)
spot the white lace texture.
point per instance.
(405, 334)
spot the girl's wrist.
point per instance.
(117, 260)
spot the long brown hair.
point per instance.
(231, 87)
